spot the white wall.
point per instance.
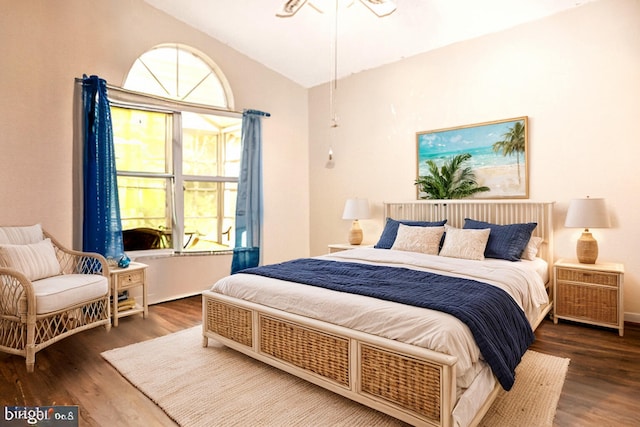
(576, 76)
(45, 45)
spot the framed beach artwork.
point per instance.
(496, 153)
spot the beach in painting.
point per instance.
(493, 170)
(502, 180)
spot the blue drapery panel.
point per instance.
(249, 201)
(101, 227)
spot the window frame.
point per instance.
(124, 98)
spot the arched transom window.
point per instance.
(180, 73)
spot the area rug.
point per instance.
(217, 386)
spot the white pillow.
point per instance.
(531, 250)
(465, 243)
(418, 239)
(22, 235)
(36, 260)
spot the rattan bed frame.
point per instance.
(410, 383)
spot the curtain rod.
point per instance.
(258, 112)
(166, 102)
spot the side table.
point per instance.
(127, 278)
(337, 247)
(589, 293)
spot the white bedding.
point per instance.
(438, 331)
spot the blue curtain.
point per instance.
(101, 228)
(249, 201)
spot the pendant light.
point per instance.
(333, 86)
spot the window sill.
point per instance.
(166, 253)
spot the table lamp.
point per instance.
(587, 213)
(356, 209)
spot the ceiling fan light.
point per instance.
(380, 7)
(290, 8)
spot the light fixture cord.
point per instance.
(334, 84)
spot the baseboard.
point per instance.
(632, 317)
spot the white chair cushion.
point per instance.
(58, 292)
(35, 260)
(21, 235)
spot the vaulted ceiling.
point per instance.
(303, 47)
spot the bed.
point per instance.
(417, 364)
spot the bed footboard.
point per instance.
(410, 383)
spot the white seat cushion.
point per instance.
(58, 292)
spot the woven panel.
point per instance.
(64, 322)
(409, 383)
(229, 321)
(13, 334)
(318, 352)
(12, 296)
(595, 303)
(596, 278)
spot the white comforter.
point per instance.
(437, 331)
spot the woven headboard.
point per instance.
(494, 211)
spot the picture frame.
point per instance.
(498, 155)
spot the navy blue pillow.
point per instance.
(505, 241)
(390, 231)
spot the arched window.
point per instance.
(177, 152)
(180, 73)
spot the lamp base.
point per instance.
(355, 234)
(587, 248)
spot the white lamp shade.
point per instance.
(356, 209)
(587, 213)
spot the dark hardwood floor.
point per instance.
(603, 380)
(601, 388)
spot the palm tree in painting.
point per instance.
(513, 143)
(452, 181)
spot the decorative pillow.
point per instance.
(23, 235)
(36, 260)
(506, 241)
(466, 244)
(390, 231)
(531, 251)
(418, 239)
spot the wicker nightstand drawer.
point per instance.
(589, 293)
(596, 278)
(598, 304)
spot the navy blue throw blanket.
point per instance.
(497, 323)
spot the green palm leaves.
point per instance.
(453, 180)
(513, 143)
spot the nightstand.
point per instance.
(337, 247)
(589, 293)
(123, 279)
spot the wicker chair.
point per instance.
(43, 303)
